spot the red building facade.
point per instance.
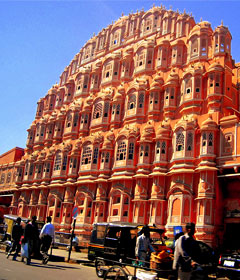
(142, 127)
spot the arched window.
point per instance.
(64, 164)
(186, 210)
(95, 156)
(146, 151)
(176, 207)
(69, 120)
(86, 155)
(106, 108)
(141, 100)
(130, 150)
(121, 151)
(180, 141)
(141, 150)
(58, 160)
(189, 141)
(75, 120)
(132, 102)
(97, 111)
(204, 139)
(118, 109)
(163, 147)
(210, 139)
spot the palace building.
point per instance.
(142, 127)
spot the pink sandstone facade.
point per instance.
(142, 127)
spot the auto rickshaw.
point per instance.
(9, 221)
(116, 241)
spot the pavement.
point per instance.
(62, 255)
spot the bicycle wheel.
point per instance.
(116, 272)
(99, 268)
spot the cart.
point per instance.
(133, 269)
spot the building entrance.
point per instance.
(232, 238)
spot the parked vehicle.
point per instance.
(116, 241)
(9, 221)
(229, 265)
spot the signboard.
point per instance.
(177, 229)
(75, 212)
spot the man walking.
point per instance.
(143, 244)
(185, 253)
(47, 236)
(29, 238)
(16, 236)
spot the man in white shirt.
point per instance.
(47, 236)
(143, 244)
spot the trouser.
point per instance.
(184, 275)
(15, 247)
(46, 243)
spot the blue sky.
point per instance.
(38, 39)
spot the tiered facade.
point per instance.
(141, 128)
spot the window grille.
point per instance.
(75, 120)
(106, 108)
(97, 111)
(131, 151)
(189, 141)
(121, 151)
(64, 165)
(87, 155)
(204, 138)
(132, 102)
(163, 147)
(95, 156)
(210, 139)
(140, 100)
(180, 142)
(107, 158)
(58, 160)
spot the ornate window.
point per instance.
(58, 160)
(75, 120)
(87, 155)
(106, 109)
(64, 164)
(69, 120)
(121, 151)
(118, 109)
(141, 100)
(107, 157)
(141, 150)
(189, 141)
(130, 150)
(132, 102)
(180, 141)
(163, 151)
(95, 156)
(97, 111)
(2, 178)
(146, 151)
(210, 139)
(8, 177)
(204, 140)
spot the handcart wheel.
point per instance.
(99, 270)
(116, 272)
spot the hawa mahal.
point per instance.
(142, 127)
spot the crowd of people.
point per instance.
(28, 240)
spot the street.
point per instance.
(16, 270)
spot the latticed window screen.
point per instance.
(86, 119)
(121, 151)
(9, 177)
(163, 147)
(106, 108)
(210, 139)
(103, 157)
(132, 101)
(204, 139)
(118, 109)
(189, 141)
(64, 165)
(95, 156)
(130, 151)
(87, 155)
(69, 119)
(97, 111)
(75, 120)
(31, 169)
(141, 150)
(158, 148)
(58, 160)
(146, 151)
(2, 178)
(140, 100)
(180, 141)
(197, 84)
(107, 157)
